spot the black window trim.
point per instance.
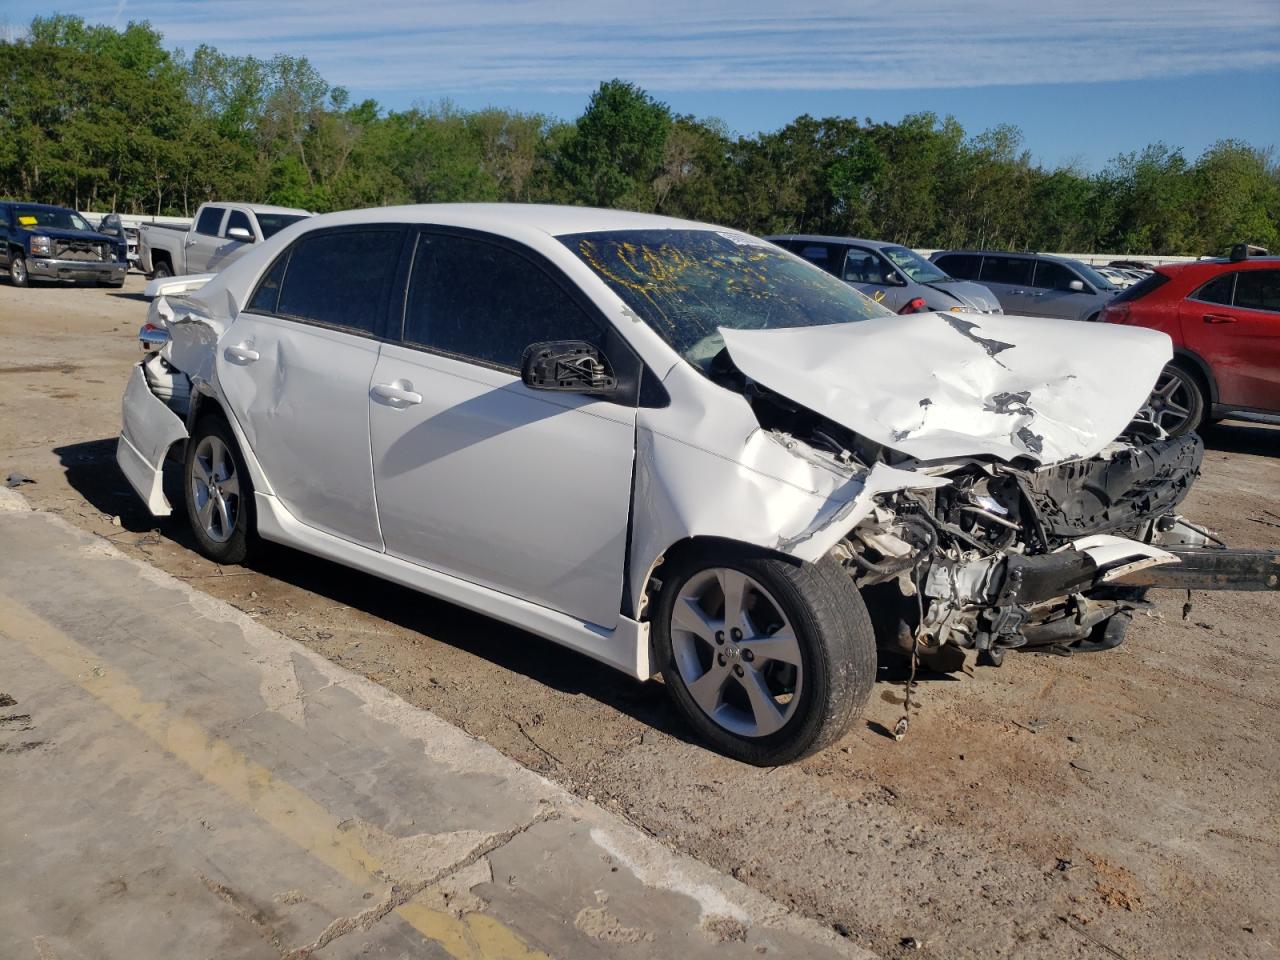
(382, 321)
(617, 346)
(226, 223)
(1234, 275)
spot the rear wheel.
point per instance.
(160, 270)
(18, 275)
(219, 494)
(768, 660)
(1177, 403)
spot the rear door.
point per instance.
(1009, 278)
(1233, 322)
(296, 366)
(524, 491)
(204, 238)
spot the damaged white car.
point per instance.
(675, 448)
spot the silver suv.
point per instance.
(1033, 284)
(890, 274)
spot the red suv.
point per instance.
(1224, 318)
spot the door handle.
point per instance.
(243, 352)
(400, 392)
(191, 241)
(1218, 318)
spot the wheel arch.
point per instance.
(1195, 364)
(204, 402)
(690, 544)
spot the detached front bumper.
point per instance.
(48, 268)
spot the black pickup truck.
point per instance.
(54, 243)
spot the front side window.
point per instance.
(209, 221)
(238, 219)
(1217, 290)
(863, 266)
(483, 301)
(1258, 290)
(962, 266)
(1053, 276)
(341, 278)
(56, 218)
(687, 284)
(1015, 270)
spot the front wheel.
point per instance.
(18, 275)
(219, 494)
(768, 660)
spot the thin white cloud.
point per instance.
(403, 48)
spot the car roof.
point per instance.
(37, 206)
(551, 219)
(827, 238)
(258, 207)
(1008, 253)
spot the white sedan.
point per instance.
(671, 446)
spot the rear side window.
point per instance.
(962, 266)
(1006, 270)
(210, 220)
(341, 278)
(1217, 290)
(1258, 290)
(485, 302)
(239, 219)
(273, 223)
(1148, 284)
(268, 292)
(816, 253)
(863, 266)
(1053, 276)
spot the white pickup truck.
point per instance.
(221, 233)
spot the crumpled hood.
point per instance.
(970, 294)
(938, 386)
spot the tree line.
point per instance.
(99, 118)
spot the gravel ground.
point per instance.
(1122, 804)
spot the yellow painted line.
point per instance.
(283, 807)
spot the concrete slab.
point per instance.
(180, 781)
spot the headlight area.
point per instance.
(41, 246)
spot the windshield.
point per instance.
(273, 223)
(913, 265)
(55, 217)
(686, 284)
(1093, 276)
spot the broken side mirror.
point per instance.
(1076, 286)
(241, 234)
(571, 366)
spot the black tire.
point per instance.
(1183, 386)
(243, 539)
(18, 275)
(160, 269)
(836, 640)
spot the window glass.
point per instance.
(962, 266)
(863, 266)
(56, 217)
(687, 283)
(1053, 276)
(483, 301)
(238, 219)
(914, 266)
(210, 220)
(1217, 290)
(4, 217)
(273, 223)
(1258, 290)
(1006, 269)
(816, 253)
(341, 278)
(268, 292)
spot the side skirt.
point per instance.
(624, 648)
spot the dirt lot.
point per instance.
(1123, 804)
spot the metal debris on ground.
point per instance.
(16, 479)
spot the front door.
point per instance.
(296, 367)
(1233, 322)
(1050, 293)
(478, 476)
(865, 270)
(203, 239)
(1009, 278)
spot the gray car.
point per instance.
(1033, 284)
(889, 273)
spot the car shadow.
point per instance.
(139, 297)
(92, 472)
(1237, 436)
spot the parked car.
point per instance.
(1033, 284)
(38, 241)
(890, 273)
(113, 226)
(670, 446)
(220, 233)
(1120, 279)
(1224, 318)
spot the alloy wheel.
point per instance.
(736, 652)
(215, 489)
(1172, 401)
(18, 271)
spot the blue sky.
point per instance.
(1084, 80)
